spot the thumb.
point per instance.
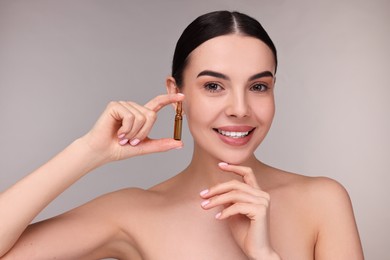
(157, 145)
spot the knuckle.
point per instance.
(240, 206)
(140, 118)
(129, 116)
(248, 170)
(151, 115)
(263, 201)
(266, 196)
(112, 104)
(233, 193)
(233, 183)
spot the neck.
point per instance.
(203, 171)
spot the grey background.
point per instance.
(61, 62)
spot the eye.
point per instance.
(258, 87)
(213, 87)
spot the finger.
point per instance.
(156, 145)
(230, 186)
(132, 121)
(161, 101)
(143, 122)
(150, 117)
(123, 117)
(252, 211)
(245, 172)
(234, 197)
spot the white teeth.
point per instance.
(233, 134)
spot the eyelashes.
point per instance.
(214, 87)
(259, 87)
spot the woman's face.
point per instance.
(229, 105)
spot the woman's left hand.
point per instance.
(246, 207)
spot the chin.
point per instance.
(236, 159)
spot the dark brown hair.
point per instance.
(209, 26)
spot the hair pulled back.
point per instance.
(212, 25)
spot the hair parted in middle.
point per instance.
(212, 25)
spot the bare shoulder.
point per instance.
(323, 188)
(122, 208)
(131, 211)
(312, 188)
(324, 207)
(323, 193)
(317, 199)
(128, 199)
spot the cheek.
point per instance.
(266, 111)
(271, 109)
(196, 109)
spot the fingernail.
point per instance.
(204, 203)
(134, 142)
(121, 136)
(204, 192)
(223, 164)
(218, 215)
(180, 94)
(123, 141)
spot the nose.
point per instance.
(238, 105)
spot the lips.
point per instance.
(235, 135)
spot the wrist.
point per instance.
(92, 158)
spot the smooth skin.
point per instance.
(225, 205)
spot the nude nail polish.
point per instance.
(123, 141)
(223, 164)
(134, 142)
(204, 192)
(204, 203)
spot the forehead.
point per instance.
(232, 54)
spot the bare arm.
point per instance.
(109, 139)
(91, 231)
(23, 201)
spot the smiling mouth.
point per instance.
(233, 134)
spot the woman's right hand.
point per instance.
(122, 130)
(113, 137)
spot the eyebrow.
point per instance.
(223, 76)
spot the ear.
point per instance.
(172, 87)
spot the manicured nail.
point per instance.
(223, 164)
(121, 136)
(134, 142)
(218, 215)
(204, 192)
(123, 141)
(204, 203)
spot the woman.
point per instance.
(225, 205)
